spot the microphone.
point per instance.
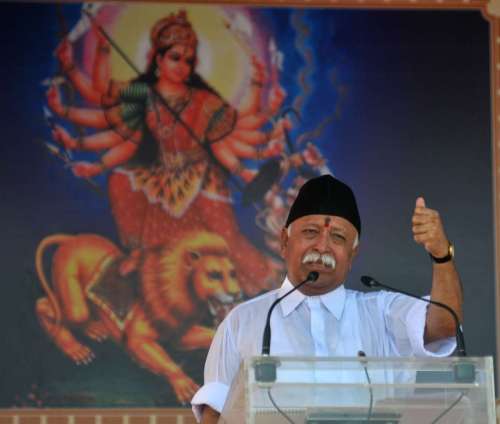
(371, 282)
(266, 338)
(463, 372)
(265, 368)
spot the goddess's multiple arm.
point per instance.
(245, 141)
(90, 90)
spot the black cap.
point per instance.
(325, 195)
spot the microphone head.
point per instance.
(312, 276)
(369, 281)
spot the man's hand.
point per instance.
(428, 230)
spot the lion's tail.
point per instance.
(48, 241)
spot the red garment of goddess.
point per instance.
(183, 190)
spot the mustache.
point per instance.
(326, 259)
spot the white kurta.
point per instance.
(339, 323)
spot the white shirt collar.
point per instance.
(334, 301)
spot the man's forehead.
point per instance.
(325, 220)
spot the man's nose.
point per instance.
(323, 242)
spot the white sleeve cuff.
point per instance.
(212, 394)
(415, 322)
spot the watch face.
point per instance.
(448, 257)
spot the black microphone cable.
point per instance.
(265, 366)
(266, 338)
(362, 356)
(282, 413)
(371, 282)
(463, 373)
(452, 405)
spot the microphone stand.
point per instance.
(362, 356)
(265, 367)
(371, 282)
(463, 372)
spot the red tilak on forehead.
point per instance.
(327, 222)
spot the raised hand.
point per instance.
(64, 54)
(276, 96)
(62, 137)
(312, 156)
(102, 41)
(428, 229)
(86, 169)
(259, 75)
(54, 101)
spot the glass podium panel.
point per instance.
(362, 390)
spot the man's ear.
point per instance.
(354, 253)
(284, 241)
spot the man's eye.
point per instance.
(310, 231)
(338, 237)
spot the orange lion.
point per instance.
(165, 303)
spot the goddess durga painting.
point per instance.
(168, 143)
(193, 136)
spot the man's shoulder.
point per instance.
(360, 296)
(255, 304)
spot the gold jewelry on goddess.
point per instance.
(174, 29)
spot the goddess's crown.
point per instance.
(174, 29)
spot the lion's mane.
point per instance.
(167, 279)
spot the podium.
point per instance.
(275, 390)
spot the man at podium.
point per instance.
(323, 318)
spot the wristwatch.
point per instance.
(447, 258)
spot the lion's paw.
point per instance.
(97, 331)
(80, 354)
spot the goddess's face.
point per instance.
(176, 64)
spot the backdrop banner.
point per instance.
(150, 153)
